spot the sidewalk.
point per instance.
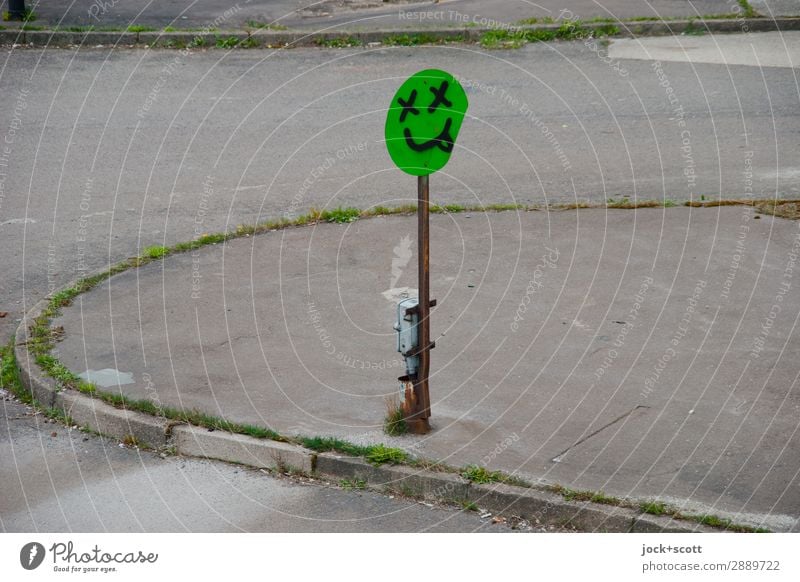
(647, 354)
(368, 14)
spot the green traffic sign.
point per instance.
(423, 121)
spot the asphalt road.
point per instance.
(107, 151)
(364, 14)
(55, 479)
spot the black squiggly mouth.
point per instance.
(443, 141)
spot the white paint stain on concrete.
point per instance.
(107, 377)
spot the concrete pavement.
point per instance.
(647, 354)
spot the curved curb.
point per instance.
(283, 39)
(541, 507)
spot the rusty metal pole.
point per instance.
(419, 420)
(16, 10)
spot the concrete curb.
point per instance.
(535, 505)
(195, 441)
(282, 39)
(124, 425)
(42, 387)
(541, 507)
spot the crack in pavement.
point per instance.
(558, 457)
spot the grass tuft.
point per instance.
(478, 474)
(155, 252)
(328, 444)
(395, 423)
(340, 215)
(140, 28)
(573, 30)
(266, 25)
(419, 39)
(381, 454)
(356, 483)
(747, 9)
(227, 42)
(339, 42)
(653, 508)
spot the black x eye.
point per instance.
(408, 106)
(439, 97)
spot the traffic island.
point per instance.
(637, 353)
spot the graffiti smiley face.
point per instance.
(424, 120)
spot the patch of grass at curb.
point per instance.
(604, 499)
(227, 42)
(573, 30)
(193, 417)
(593, 496)
(89, 28)
(57, 370)
(328, 444)
(478, 474)
(501, 207)
(247, 43)
(694, 30)
(658, 508)
(419, 39)
(747, 10)
(265, 25)
(481, 475)
(537, 20)
(447, 208)
(468, 505)
(626, 204)
(87, 388)
(347, 484)
(9, 374)
(11, 381)
(340, 215)
(381, 454)
(430, 465)
(136, 28)
(155, 252)
(339, 42)
(653, 507)
(375, 454)
(388, 211)
(722, 523)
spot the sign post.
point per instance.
(421, 129)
